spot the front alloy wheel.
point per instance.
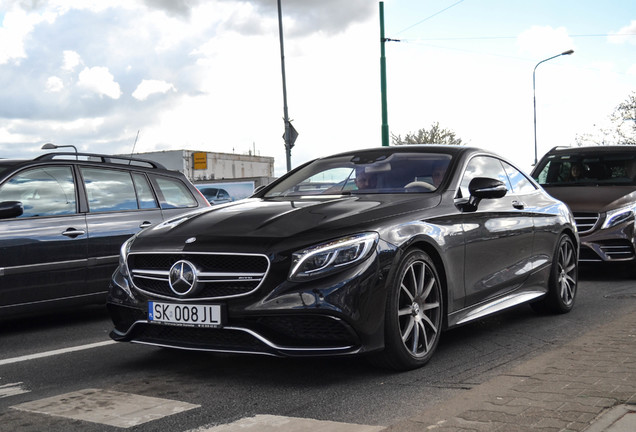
(563, 279)
(414, 313)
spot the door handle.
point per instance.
(519, 205)
(145, 224)
(72, 232)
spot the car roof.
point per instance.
(9, 166)
(592, 149)
(414, 148)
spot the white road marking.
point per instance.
(12, 389)
(54, 352)
(272, 423)
(107, 407)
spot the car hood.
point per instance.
(596, 199)
(276, 219)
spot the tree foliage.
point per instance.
(623, 129)
(434, 135)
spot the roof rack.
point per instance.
(95, 157)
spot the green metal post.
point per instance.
(385, 121)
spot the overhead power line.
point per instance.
(507, 37)
(429, 17)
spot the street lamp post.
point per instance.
(51, 146)
(568, 52)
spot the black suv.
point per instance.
(598, 183)
(64, 217)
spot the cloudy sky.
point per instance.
(206, 74)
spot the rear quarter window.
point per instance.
(175, 193)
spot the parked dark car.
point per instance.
(599, 185)
(215, 195)
(405, 242)
(64, 217)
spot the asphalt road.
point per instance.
(37, 362)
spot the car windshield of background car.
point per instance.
(611, 169)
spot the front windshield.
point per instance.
(593, 169)
(379, 172)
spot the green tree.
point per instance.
(622, 131)
(434, 135)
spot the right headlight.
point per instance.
(327, 258)
(619, 215)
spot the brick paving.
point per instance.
(570, 389)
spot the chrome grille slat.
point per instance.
(618, 251)
(221, 275)
(586, 222)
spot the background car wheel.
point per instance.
(413, 316)
(563, 279)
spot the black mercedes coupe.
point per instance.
(370, 252)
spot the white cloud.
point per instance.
(541, 41)
(101, 81)
(54, 84)
(624, 35)
(15, 27)
(71, 60)
(150, 87)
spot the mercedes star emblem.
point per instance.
(183, 278)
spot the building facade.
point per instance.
(209, 167)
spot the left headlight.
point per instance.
(619, 215)
(330, 257)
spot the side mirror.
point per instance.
(483, 188)
(11, 209)
(258, 189)
(486, 188)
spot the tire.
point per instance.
(563, 280)
(413, 315)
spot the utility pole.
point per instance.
(290, 133)
(385, 116)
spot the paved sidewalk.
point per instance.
(588, 385)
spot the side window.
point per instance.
(483, 166)
(46, 191)
(520, 183)
(175, 193)
(109, 190)
(144, 192)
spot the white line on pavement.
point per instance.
(54, 352)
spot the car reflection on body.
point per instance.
(297, 270)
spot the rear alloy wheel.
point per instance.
(413, 318)
(563, 279)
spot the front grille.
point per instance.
(198, 338)
(219, 275)
(303, 330)
(617, 250)
(585, 222)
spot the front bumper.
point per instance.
(616, 244)
(337, 315)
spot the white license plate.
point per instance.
(185, 314)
